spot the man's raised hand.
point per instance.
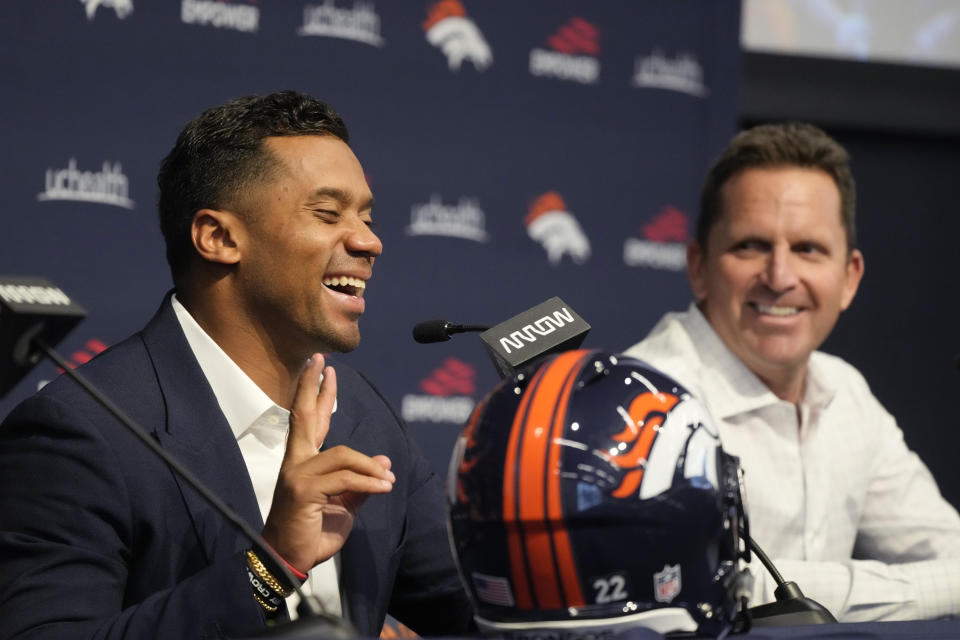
(318, 493)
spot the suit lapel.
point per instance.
(198, 435)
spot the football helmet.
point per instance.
(589, 493)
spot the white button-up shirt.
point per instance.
(834, 496)
(260, 427)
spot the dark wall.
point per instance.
(901, 330)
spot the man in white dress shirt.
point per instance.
(834, 496)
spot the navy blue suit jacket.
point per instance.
(98, 539)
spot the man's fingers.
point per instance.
(308, 423)
(342, 457)
(314, 489)
(347, 481)
(326, 398)
(383, 461)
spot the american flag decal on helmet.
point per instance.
(493, 589)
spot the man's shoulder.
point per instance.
(351, 381)
(359, 397)
(669, 347)
(845, 383)
(836, 371)
(120, 365)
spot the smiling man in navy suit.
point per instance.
(267, 219)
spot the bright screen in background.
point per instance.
(923, 32)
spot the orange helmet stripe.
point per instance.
(569, 579)
(550, 571)
(533, 499)
(518, 568)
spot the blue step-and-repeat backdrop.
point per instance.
(517, 151)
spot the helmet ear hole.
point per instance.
(590, 491)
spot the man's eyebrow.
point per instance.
(341, 196)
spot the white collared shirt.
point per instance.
(260, 427)
(837, 483)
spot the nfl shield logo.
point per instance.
(666, 583)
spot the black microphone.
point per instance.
(440, 330)
(550, 327)
(33, 311)
(30, 307)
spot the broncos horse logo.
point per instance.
(642, 424)
(448, 27)
(123, 8)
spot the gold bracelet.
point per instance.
(265, 575)
(269, 608)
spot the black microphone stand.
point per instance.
(312, 621)
(791, 606)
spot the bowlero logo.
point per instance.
(122, 8)
(448, 28)
(360, 23)
(91, 348)
(572, 54)
(681, 73)
(222, 14)
(462, 220)
(107, 186)
(448, 395)
(556, 229)
(663, 244)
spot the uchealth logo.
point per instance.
(233, 15)
(663, 242)
(122, 8)
(572, 55)
(446, 395)
(556, 229)
(107, 186)
(465, 219)
(359, 23)
(682, 73)
(450, 29)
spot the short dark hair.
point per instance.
(221, 152)
(791, 144)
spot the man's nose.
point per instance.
(780, 273)
(362, 240)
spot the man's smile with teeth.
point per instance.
(346, 284)
(771, 310)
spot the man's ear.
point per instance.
(215, 234)
(852, 277)
(695, 270)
